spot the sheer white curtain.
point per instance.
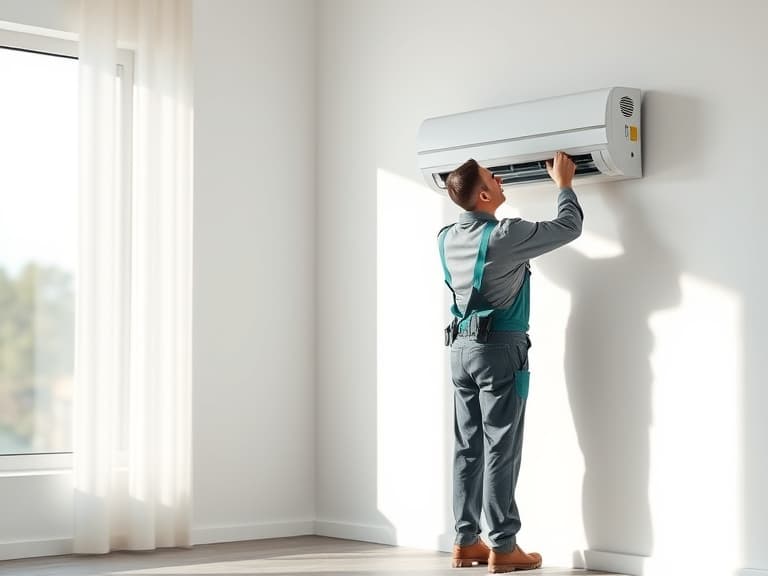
(132, 431)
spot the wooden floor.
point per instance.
(280, 556)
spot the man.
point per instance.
(486, 266)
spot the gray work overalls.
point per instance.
(490, 380)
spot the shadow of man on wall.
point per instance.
(608, 372)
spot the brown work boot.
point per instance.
(510, 561)
(472, 555)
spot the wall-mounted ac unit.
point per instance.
(599, 129)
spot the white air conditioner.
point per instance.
(599, 129)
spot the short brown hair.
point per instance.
(461, 184)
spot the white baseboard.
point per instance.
(362, 532)
(260, 531)
(35, 548)
(204, 535)
(227, 533)
(617, 563)
(640, 565)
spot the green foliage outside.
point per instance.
(36, 359)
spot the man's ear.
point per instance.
(484, 196)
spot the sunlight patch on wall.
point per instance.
(696, 458)
(593, 245)
(411, 361)
(549, 489)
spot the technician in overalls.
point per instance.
(486, 266)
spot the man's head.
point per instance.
(475, 188)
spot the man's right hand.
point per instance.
(561, 170)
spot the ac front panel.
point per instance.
(546, 116)
(533, 148)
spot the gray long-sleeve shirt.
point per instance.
(510, 247)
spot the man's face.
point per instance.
(492, 187)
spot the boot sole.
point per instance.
(468, 562)
(502, 568)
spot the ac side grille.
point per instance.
(627, 106)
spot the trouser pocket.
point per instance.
(522, 379)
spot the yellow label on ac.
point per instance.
(633, 133)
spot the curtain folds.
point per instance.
(132, 429)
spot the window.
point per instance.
(38, 242)
(38, 248)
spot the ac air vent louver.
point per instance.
(530, 171)
(534, 171)
(627, 106)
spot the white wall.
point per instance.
(58, 15)
(254, 234)
(645, 442)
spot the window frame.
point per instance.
(58, 462)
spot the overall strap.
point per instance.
(477, 278)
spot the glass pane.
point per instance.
(38, 249)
